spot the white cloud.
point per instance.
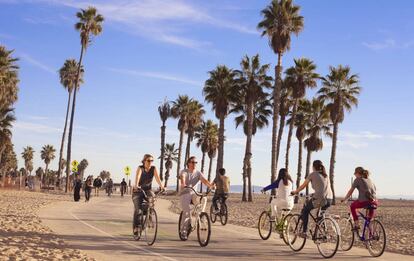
(404, 137)
(388, 44)
(363, 135)
(161, 20)
(158, 75)
(37, 63)
(35, 127)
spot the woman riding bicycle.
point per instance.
(366, 196)
(143, 182)
(189, 177)
(321, 197)
(284, 185)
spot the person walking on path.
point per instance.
(77, 185)
(222, 183)
(109, 185)
(97, 184)
(143, 182)
(123, 187)
(189, 177)
(88, 188)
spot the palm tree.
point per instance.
(82, 166)
(221, 91)
(8, 78)
(212, 150)
(317, 123)
(204, 134)
(90, 24)
(262, 109)
(27, 155)
(165, 112)
(180, 111)
(6, 120)
(67, 74)
(170, 155)
(104, 175)
(252, 80)
(194, 119)
(300, 77)
(47, 155)
(340, 89)
(280, 19)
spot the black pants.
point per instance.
(87, 193)
(217, 196)
(307, 208)
(138, 199)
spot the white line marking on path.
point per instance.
(126, 242)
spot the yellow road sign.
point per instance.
(75, 163)
(127, 170)
(74, 169)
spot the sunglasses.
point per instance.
(149, 160)
(194, 162)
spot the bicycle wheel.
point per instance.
(264, 226)
(284, 229)
(151, 226)
(293, 229)
(179, 229)
(347, 234)
(223, 214)
(203, 229)
(327, 237)
(213, 216)
(375, 238)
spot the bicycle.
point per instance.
(373, 234)
(266, 224)
(198, 219)
(148, 222)
(221, 211)
(325, 233)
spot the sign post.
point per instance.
(127, 171)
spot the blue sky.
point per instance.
(151, 50)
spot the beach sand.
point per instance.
(396, 215)
(22, 235)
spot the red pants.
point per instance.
(361, 204)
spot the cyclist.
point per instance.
(143, 182)
(189, 177)
(320, 184)
(222, 183)
(284, 185)
(366, 196)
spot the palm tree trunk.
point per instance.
(332, 161)
(42, 176)
(203, 159)
(299, 174)
(167, 175)
(63, 139)
(220, 154)
(180, 147)
(280, 135)
(72, 118)
(3, 175)
(187, 148)
(162, 150)
(308, 163)
(289, 139)
(248, 155)
(209, 168)
(276, 107)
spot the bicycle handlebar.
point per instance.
(198, 194)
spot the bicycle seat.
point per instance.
(371, 207)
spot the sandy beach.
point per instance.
(396, 216)
(22, 234)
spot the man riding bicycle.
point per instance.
(189, 177)
(222, 183)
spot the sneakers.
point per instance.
(303, 235)
(184, 235)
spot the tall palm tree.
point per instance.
(180, 111)
(165, 112)
(221, 91)
(280, 19)
(67, 74)
(317, 123)
(212, 150)
(170, 155)
(194, 120)
(8, 78)
(82, 166)
(252, 79)
(262, 109)
(300, 77)
(47, 155)
(204, 134)
(27, 156)
(6, 120)
(340, 89)
(89, 25)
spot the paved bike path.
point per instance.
(102, 229)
